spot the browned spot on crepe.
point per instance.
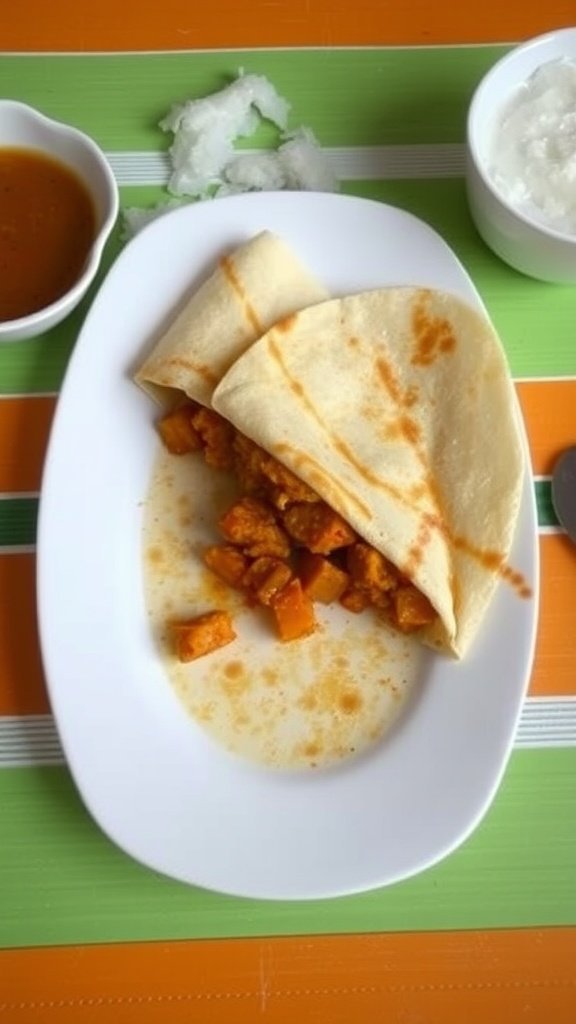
(433, 335)
(493, 561)
(399, 397)
(200, 369)
(287, 324)
(229, 270)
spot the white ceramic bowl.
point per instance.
(522, 242)
(22, 126)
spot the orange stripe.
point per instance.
(553, 672)
(549, 409)
(23, 692)
(24, 428)
(437, 978)
(65, 25)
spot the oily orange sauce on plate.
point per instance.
(47, 226)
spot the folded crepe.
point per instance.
(253, 287)
(397, 407)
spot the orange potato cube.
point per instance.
(354, 600)
(283, 484)
(227, 562)
(216, 436)
(247, 458)
(369, 569)
(265, 577)
(251, 524)
(293, 612)
(321, 579)
(201, 635)
(177, 431)
(412, 609)
(317, 527)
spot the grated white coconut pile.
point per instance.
(205, 164)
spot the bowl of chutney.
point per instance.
(58, 205)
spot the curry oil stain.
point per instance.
(229, 270)
(234, 688)
(289, 707)
(270, 677)
(234, 669)
(350, 702)
(155, 555)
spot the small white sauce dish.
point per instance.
(519, 239)
(23, 127)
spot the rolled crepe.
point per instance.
(256, 285)
(397, 407)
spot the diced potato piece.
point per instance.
(201, 635)
(227, 562)
(354, 600)
(285, 486)
(265, 577)
(293, 611)
(251, 524)
(216, 435)
(317, 527)
(260, 473)
(369, 569)
(411, 609)
(247, 457)
(177, 431)
(321, 579)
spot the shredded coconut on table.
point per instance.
(205, 164)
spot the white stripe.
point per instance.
(562, 378)
(29, 740)
(251, 51)
(9, 495)
(33, 739)
(7, 395)
(349, 163)
(548, 530)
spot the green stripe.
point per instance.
(349, 97)
(64, 882)
(18, 516)
(546, 513)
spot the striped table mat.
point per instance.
(496, 919)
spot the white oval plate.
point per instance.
(154, 782)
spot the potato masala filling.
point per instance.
(281, 545)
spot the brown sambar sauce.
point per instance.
(47, 227)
